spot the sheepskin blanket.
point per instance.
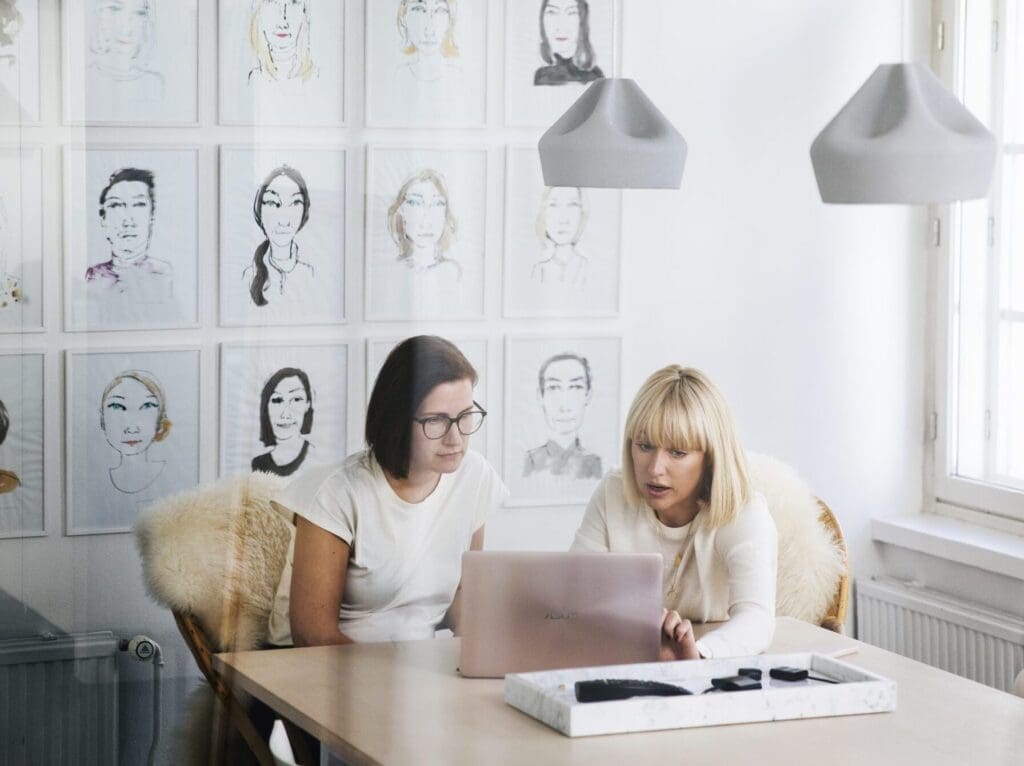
(217, 552)
(811, 561)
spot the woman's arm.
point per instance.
(749, 550)
(318, 582)
(593, 532)
(451, 618)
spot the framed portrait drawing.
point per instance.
(130, 62)
(21, 239)
(282, 236)
(561, 417)
(476, 351)
(426, 63)
(283, 408)
(562, 244)
(131, 238)
(426, 212)
(132, 433)
(282, 62)
(22, 430)
(553, 50)
(19, 62)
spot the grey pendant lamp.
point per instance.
(903, 138)
(613, 136)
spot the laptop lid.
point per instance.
(526, 611)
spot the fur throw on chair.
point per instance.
(217, 552)
(811, 560)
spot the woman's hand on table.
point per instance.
(677, 639)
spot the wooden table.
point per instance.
(403, 703)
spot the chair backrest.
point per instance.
(835, 615)
(813, 566)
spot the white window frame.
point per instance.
(946, 493)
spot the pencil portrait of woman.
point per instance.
(279, 32)
(286, 419)
(133, 415)
(281, 210)
(421, 223)
(565, 44)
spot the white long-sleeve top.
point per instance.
(726, 574)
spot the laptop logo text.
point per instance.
(560, 616)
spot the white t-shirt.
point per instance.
(405, 559)
(725, 574)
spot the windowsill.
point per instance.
(953, 540)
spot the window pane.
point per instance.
(1010, 431)
(1011, 266)
(1014, 51)
(970, 349)
(977, 63)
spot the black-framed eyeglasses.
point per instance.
(437, 426)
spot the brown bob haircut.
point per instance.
(412, 370)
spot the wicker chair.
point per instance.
(835, 616)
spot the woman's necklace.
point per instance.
(672, 579)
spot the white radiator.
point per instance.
(58, 700)
(978, 643)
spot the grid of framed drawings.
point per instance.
(226, 296)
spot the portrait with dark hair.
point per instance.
(132, 238)
(283, 408)
(286, 419)
(127, 207)
(565, 44)
(282, 236)
(281, 210)
(562, 404)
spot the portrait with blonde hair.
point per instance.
(684, 492)
(133, 433)
(423, 226)
(426, 62)
(279, 32)
(561, 221)
(22, 443)
(19, 61)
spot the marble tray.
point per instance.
(549, 696)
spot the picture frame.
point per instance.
(562, 245)
(308, 284)
(477, 351)
(22, 265)
(23, 422)
(136, 265)
(132, 424)
(426, 65)
(562, 435)
(438, 270)
(294, 74)
(540, 84)
(19, 64)
(308, 426)
(130, 63)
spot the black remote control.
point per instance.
(605, 689)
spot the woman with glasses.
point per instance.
(379, 537)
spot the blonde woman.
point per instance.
(427, 29)
(684, 492)
(279, 36)
(421, 223)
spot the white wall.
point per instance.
(810, 317)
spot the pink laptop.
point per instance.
(525, 611)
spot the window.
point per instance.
(979, 392)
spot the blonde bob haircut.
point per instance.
(680, 408)
(163, 423)
(259, 44)
(396, 224)
(449, 49)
